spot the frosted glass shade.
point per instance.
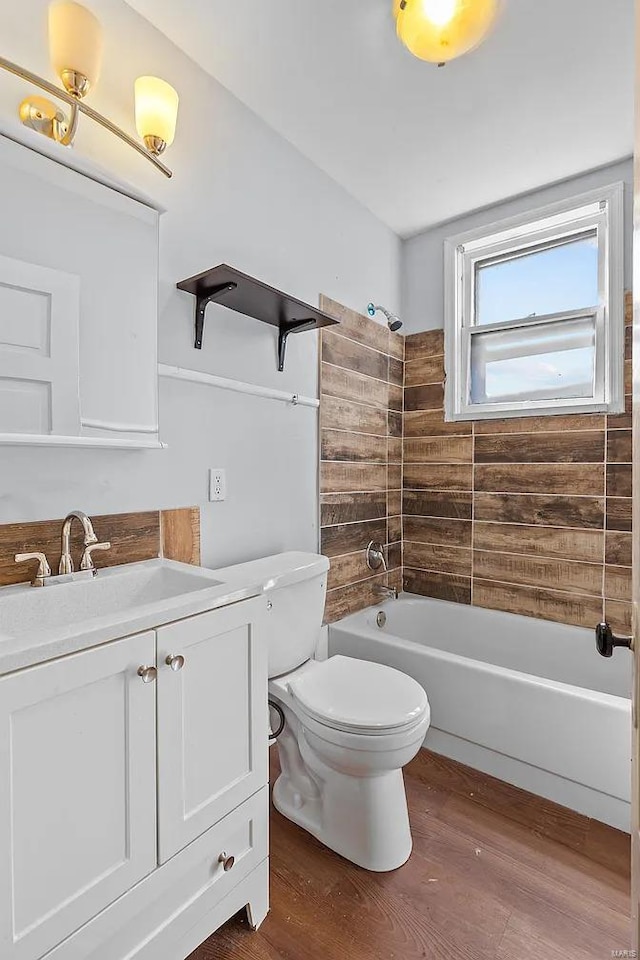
(75, 40)
(156, 109)
(440, 30)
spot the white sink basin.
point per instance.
(114, 590)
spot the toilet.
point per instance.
(349, 725)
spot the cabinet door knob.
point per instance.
(148, 674)
(175, 661)
(226, 861)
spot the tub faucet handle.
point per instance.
(606, 640)
(375, 556)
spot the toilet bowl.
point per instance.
(349, 725)
(342, 753)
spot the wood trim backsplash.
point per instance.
(361, 387)
(174, 534)
(529, 515)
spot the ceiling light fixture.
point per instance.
(75, 48)
(440, 30)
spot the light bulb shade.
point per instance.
(156, 109)
(75, 42)
(440, 30)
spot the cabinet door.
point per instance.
(212, 719)
(77, 791)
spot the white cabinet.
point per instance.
(77, 791)
(85, 825)
(212, 711)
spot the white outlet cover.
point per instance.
(217, 484)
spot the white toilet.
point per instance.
(350, 725)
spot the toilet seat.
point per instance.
(359, 697)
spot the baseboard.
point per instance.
(575, 796)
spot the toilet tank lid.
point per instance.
(279, 570)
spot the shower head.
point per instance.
(394, 323)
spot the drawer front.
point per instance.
(179, 895)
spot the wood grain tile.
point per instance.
(440, 586)
(438, 530)
(555, 542)
(180, 534)
(393, 554)
(622, 421)
(566, 575)
(558, 424)
(350, 507)
(394, 502)
(619, 446)
(396, 345)
(133, 537)
(439, 450)
(348, 569)
(619, 616)
(347, 445)
(336, 477)
(394, 418)
(396, 397)
(437, 476)
(394, 449)
(586, 479)
(437, 558)
(628, 377)
(424, 370)
(340, 352)
(338, 414)
(350, 385)
(394, 476)
(431, 423)
(577, 447)
(356, 326)
(396, 371)
(617, 583)
(425, 344)
(619, 480)
(350, 599)
(618, 549)
(580, 610)
(628, 342)
(424, 398)
(394, 529)
(454, 504)
(351, 537)
(619, 513)
(557, 511)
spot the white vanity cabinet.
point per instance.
(98, 861)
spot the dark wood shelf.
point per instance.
(244, 294)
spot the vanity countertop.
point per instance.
(42, 623)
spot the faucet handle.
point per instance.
(44, 570)
(87, 562)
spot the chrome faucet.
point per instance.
(389, 593)
(90, 543)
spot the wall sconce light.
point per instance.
(75, 48)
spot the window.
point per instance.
(534, 312)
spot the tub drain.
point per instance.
(381, 619)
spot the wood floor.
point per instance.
(495, 874)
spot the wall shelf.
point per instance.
(244, 294)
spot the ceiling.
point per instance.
(548, 95)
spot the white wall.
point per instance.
(242, 195)
(423, 257)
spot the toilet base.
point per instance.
(364, 819)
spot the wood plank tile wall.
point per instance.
(530, 515)
(361, 387)
(174, 534)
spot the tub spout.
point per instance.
(389, 593)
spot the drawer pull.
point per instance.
(226, 861)
(148, 674)
(176, 662)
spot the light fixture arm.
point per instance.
(77, 107)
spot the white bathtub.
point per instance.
(526, 700)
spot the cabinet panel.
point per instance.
(77, 791)
(212, 720)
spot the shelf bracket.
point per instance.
(212, 294)
(287, 327)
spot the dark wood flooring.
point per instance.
(495, 874)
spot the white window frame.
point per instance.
(602, 210)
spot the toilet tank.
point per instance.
(295, 586)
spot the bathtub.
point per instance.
(528, 701)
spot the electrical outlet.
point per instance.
(217, 484)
